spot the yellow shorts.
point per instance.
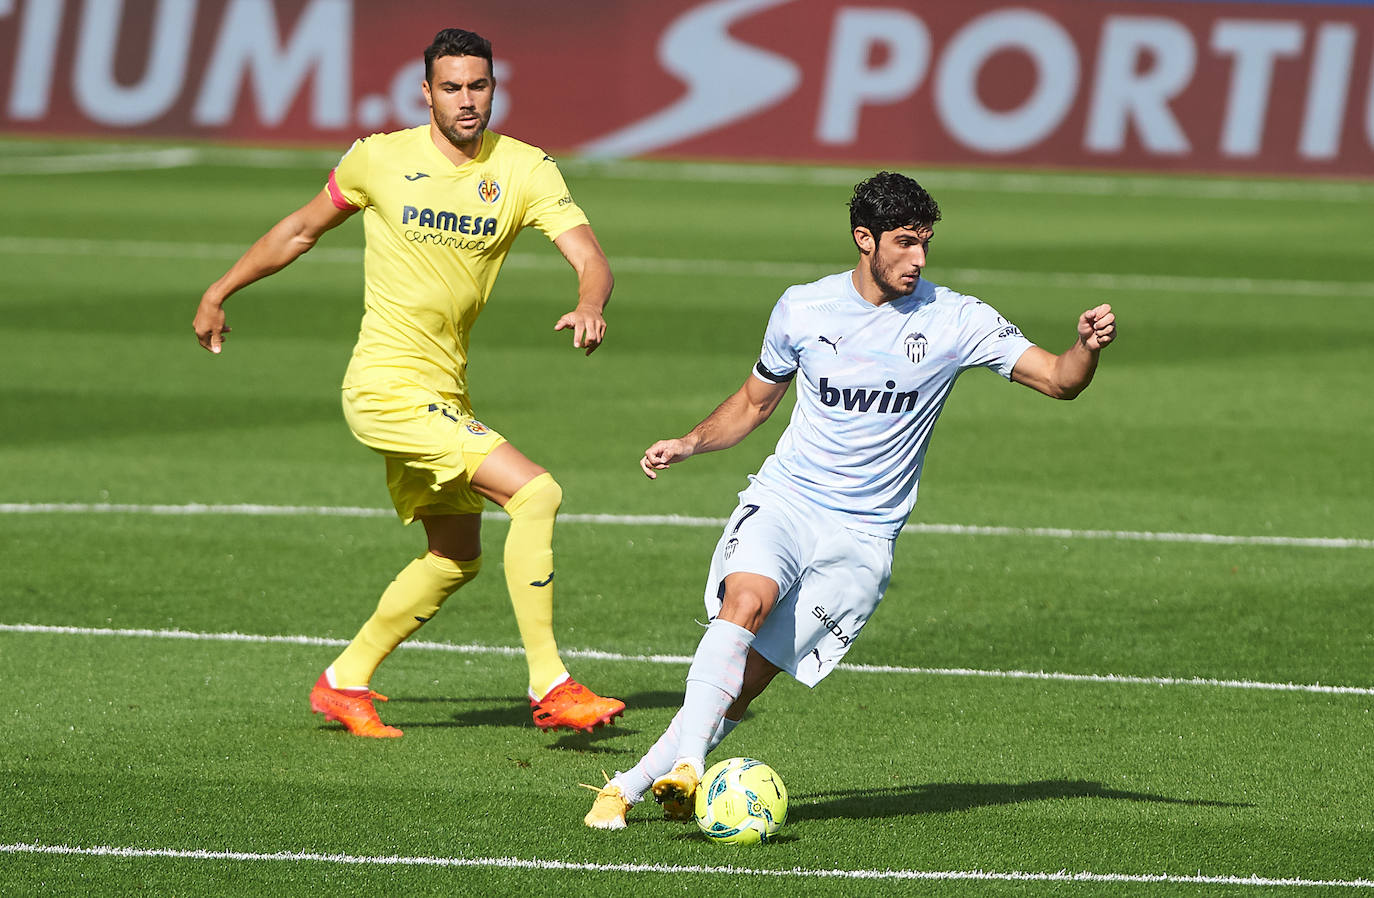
(431, 442)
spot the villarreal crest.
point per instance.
(489, 190)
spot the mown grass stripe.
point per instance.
(594, 654)
(28, 157)
(671, 520)
(782, 270)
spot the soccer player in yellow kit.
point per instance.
(441, 207)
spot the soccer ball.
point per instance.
(741, 802)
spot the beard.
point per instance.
(463, 137)
(888, 277)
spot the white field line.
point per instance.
(115, 161)
(1065, 183)
(512, 651)
(53, 158)
(732, 870)
(672, 520)
(790, 272)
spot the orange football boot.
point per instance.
(352, 708)
(572, 706)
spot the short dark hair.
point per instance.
(456, 42)
(888, 201)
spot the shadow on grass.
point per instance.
(934, 798)
(505, 711)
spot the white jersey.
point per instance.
(873, 381)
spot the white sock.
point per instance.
(659, 759)
(727, 726)
(558, 681)
(714, 682)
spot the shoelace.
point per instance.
(597, 789)
(369, 694)
(570, 689)
(576, 689)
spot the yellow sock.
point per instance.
(529, 576)
(411, 599)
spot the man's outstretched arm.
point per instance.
(594, 282)
(1066, 375)
(287, 241)
(733, 420)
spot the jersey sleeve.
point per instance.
(347, 182)
(990, 340)
(779, 358)
(549, 205)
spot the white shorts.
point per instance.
(830, 579)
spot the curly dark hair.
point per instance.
(456, 42)
(888, 201)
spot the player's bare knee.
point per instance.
(459, 551)
(746, 607)
(455, 537)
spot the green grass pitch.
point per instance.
(1197, 525)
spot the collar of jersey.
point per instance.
(488, 143)
(924, 292)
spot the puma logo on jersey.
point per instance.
(417, 176)
(861, 399)
(543, 582)
(833, 344)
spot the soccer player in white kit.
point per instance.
(805, 558)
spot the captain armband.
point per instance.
(765, 374)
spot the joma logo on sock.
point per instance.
(860, 399)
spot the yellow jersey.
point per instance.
(436, 235)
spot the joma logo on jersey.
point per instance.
(859, 399)
(476, 225)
